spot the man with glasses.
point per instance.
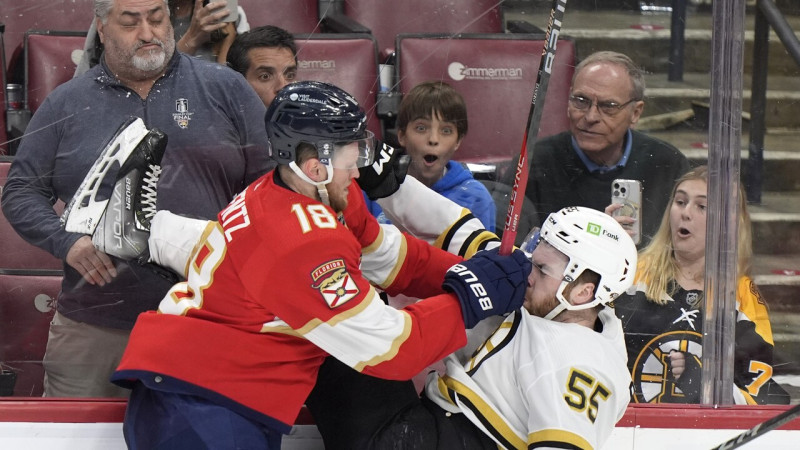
(577, 167)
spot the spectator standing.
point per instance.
(577, 167)
(217, 145)
(662, 315)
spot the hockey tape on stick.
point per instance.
(534, 117)
(768, 425)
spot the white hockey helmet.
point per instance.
(591, 240)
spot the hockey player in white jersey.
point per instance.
(550, 375)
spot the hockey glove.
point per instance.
(384, 177)
(489, 284)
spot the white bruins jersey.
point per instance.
(538, 383)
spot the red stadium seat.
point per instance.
(388, 18)
(18, 255)
(496, 75)
(26, 309)
(21, 16)
(295, 16)
(349, 61)
(49, 62)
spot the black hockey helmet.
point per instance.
(321, 115)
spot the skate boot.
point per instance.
(117, 199)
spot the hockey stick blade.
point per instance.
(532, 129)
(758, 430)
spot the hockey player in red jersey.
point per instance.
(277, 285)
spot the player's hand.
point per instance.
(489, 284)
(384, 177)
(95, 266)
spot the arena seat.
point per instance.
(26, 309)
(21, 16)
(496, 74)
(17, 254)
(49, 62)
(295, 16)
(349, 61)
(385, 19)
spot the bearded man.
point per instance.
(216, 146)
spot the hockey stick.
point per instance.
(534, 117)
(768, 425)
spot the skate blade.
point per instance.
(83, 212)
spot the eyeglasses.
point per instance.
(607, 108)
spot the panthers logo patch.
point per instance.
(334, 283)
(652, 382)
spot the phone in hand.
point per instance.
(628, 193)
(233, 9)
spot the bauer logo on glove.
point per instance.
(474, 285)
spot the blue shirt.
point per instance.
(596, 168)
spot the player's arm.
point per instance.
(320, 294)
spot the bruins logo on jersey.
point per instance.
(652, 381)
(334, 283)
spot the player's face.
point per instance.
(544, 280)
(346, 169)
(431, 143)
(138, 39)
(271, 69)
(601, 135)
(687, 219)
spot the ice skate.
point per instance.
(117, 199)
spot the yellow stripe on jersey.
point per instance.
(381, 261)
(375, 244)
(752, 305)
(464, 236)
(394, 348)
(211, 226)
(280, 327)
(545, 438)
(488, 417)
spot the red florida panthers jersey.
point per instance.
(278, 284)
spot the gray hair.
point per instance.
(102, 8)
(635, 73)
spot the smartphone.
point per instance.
(628, 193)
(233, 9)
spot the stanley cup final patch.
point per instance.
(334, 283)
(182, 115)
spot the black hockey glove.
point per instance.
(384, 177)
(690, 380)
(489, 284)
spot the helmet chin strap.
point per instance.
(563, 303)
(320, 185)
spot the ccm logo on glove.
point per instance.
(477, 288)
(385, 157)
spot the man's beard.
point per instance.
(154, 60)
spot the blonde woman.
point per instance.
(661, 313)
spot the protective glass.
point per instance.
(529, 244)
(348, 155)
